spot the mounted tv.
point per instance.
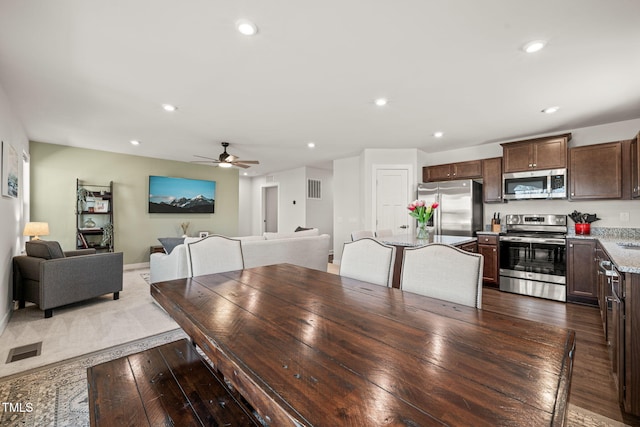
(181, 195)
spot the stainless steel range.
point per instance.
(533, 256)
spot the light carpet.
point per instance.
(58, 393)
(85, 327)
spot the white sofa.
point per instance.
(304, 248)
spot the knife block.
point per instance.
(495, 227)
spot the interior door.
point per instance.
(270, 220)
(392, 200)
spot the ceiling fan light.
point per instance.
(225, 165)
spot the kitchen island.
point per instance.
(401, 241)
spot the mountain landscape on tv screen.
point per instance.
(197, 204)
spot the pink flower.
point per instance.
(411, 207)
(434, 205)
(420, 203)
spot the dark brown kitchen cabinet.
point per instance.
(492, 180)
(460, 170)
(596, 171)
(540, 153)
(488, 248)
(635, 166)
(469, 247)
(582, 276)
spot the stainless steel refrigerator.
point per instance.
(460, 206)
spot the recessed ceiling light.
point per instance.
(169, 107)
(551, 110)
(247, 28)
(381, 102)
(224, 165)
(533, 46)
(438, 134)
(134, 142)
(245, 173)
(311, 144)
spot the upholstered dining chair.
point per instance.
(444, 272)
(384, 233)
(214, 254)
(360, 234)
(368, 260)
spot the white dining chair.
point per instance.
(384, 233)
(361, 234)
(214, 254)
(368, 260)
(444, 272)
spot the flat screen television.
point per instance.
(181, 195)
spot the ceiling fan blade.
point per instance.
(250, 162)
(215, 162)
(204, 157)
(240, 165)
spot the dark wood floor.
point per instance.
(592, 386)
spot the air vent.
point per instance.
(269, 178)
(24, 352)
(314, 189)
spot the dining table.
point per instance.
(306, 347)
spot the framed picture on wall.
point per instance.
(203, 234)
(10, 168)
(101, 206)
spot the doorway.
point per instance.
(391, 193)
(270, 212)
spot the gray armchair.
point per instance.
(51, 278)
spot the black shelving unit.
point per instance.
(94, 216)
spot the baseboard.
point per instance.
(5, 319)
(128, 267)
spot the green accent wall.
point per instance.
(55, 168)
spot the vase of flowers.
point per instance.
(423, 213)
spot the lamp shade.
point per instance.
(36, 229)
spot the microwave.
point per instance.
(538, 184)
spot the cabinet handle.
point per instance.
(570, 245)
(534, 165)
(494, 249)
(530, 165)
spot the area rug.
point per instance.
(56, 394)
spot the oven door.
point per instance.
(533, 266)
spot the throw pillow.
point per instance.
(168, 243)
(44, 249)
(302, 229)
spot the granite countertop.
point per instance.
(406, 240)
(626, 259)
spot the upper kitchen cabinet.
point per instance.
(541, 153)
(460, 170)
(492, 180)
(596, 171)
(635, 166)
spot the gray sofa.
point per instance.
(51, 278)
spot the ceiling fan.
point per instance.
(226, 160)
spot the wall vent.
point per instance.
(314, 189)
(269, 178)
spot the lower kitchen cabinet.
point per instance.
(469, 247)
(488, 247)
(582, 275)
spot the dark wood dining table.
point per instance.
(310, 348)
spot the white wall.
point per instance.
(292, 187)
(245, 206)
(12, 210)
(347, 201)
(320, 212)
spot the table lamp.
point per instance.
(36, 229)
